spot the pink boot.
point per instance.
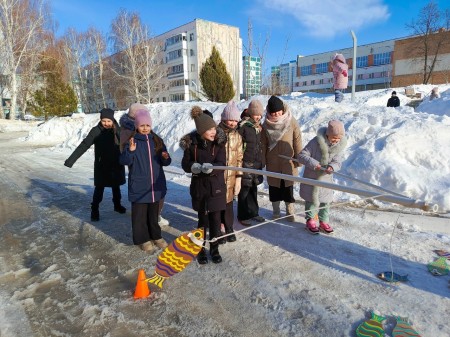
(325, 227)
(311, 225)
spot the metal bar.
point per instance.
(351, 178)
(404, 201)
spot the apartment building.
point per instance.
(373, 64)
(252, 79)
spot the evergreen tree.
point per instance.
(55, 97)
(216, 81)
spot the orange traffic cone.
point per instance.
(142, 290)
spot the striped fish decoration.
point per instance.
(403, 328)
(443, 253)
(176, 256)
(438, 267)
(372, 327)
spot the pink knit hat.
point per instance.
(134, 108)
(230, 112)
(339, 57)
(142, 117)
(335, 128)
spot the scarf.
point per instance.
(276, 127)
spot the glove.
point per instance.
(68, 164)
(329, 169)
(237, 186)
(196, 168)
(207, 168)
(344, 73)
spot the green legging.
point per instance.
(311, 211)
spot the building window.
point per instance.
(192, 52)
(192, 67)
(175, 69)
(321, 81)
(371, 75)
(174, 55)
(321, 68)
(306, 70)
(382, 58)
(191, 37)
(362, 61)
(305, 83)
(174, 39)
(360, 77)
(313, 82)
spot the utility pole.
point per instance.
(354, 66)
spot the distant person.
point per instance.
(435, 93)
(393, 101)
(321, 156)
(281, 136)
(108, 172)
(250, 129)
(145, 155)
(127, 131)
(234, 153)
(340, 76)
(203, 149)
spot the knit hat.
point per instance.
(230, 112)
(134, 108)
(274, 104)
(203, 122)
(255, 108)
(339, 57)
(335, 128)
(107, 113)
(394, 93)
(142, 117)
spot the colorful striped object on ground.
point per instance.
(403, 328)
(372, 327)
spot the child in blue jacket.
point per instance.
(145, 156)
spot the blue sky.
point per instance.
(295, 26)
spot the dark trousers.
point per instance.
(281, 193)
(227, 217)
(144, 221)
(98, 195)
(211, 220)
(248, 202)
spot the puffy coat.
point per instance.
(253, 158)
(340, 73)
(209, 188)
(146, 178)
(289, 145)
(127, 130)
(318, 151)
(234, 153)
(108, 172)
(393, 102)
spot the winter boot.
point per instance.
(162, 221)
(290, 210)
(119, 208)
(95, 214)
(276, 210)
(326, 228)
(311, 226)
(214, 251)
(232, 237)
(201, 257)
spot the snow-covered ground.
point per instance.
(62, 275)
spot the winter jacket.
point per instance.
(108, 172)
(340, 75)
(253, 158)
(393, 102)
(289, 145)
(127, 130)
(146, 178)
(234, 153)
(205, 188)
(319, 151)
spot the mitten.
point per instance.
(207, 168)
(196, 168)
(344, 73)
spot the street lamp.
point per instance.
(196, 88)
(354, 66)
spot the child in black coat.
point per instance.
(107, 170)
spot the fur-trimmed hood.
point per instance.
(194, 138)
(126, 122)
(327, 150)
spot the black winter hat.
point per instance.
(107, 113)
(274, 104)
(394, 93)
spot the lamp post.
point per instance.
(196, 89)
(354, 66)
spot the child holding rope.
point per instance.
(321, 157)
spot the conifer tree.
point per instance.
(216, 81)
(55, 97)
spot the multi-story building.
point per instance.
(287, 73)
(373, 64)
(252, 79)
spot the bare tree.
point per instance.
(137, 61)
(22, 24)
(430, 28)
